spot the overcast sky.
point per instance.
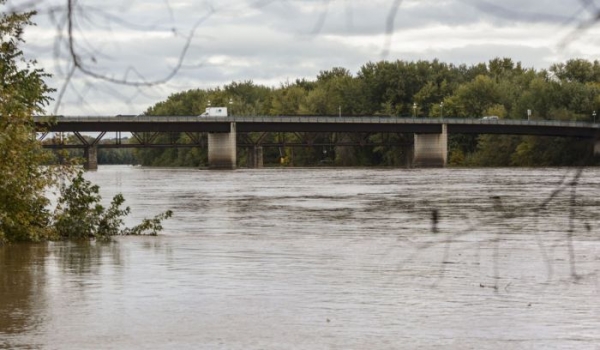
(209, 43)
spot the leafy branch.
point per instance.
(79, 214)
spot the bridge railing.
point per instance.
(313, 119)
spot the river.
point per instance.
(322, 259)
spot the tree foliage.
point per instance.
(26, 177)
(23, 93)
(79, 214)
(567, 91)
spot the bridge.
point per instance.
(430, 141)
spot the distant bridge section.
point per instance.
(430, 148)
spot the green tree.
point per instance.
(245, 98)
(551, 151)
(287, 100)
(336, 92)
(23, 93)
(79, 214)
(475, 97)
(495, 150)
(25, 176)
(579, 70)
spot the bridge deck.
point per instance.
(317, 124)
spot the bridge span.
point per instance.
(430, 142)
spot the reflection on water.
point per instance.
(22, 282)
(321, 259)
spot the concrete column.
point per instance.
(255, 157)
(250, 156)
(222, 149)
(258, 157)
(431, 150)
(597, 147)
(409, 152)
(90, 158)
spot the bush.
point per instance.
(79, 214)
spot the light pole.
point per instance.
(208, 103)
(340, 111)
(442, 109)
(594, 115)
(528, 114)
(414, 109)
(231, 105)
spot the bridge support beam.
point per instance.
(431, 150)
(90, 158)
(255, 157)
(221, 149)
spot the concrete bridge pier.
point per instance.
(222, 149)
(255, 157)
(597, 147)
(90, 158)
(431, 150)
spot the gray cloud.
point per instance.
(271, 41)
(473, 54)
(369, 17)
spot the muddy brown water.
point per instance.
(322, 259)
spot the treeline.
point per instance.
(423, 89)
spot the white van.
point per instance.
(215, 112)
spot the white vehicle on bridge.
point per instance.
(214, 112)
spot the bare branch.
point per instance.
(81, 67)
(389, 27)
(321, 20)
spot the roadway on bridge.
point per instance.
(372, 124)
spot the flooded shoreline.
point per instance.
(321, 258)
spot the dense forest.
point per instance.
(423, 89)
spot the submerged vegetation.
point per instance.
(79, 214)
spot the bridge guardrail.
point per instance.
(318, 119)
